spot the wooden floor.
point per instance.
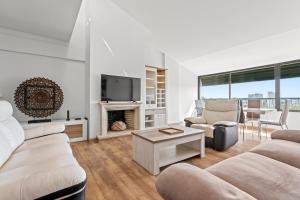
(112, 175)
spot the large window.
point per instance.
(254, 84)
(289, 85)
(215, 86)
(272, 85)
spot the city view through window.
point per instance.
(289, 89)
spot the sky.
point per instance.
(288, 88)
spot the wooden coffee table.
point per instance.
(153, 149)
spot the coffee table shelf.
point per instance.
(175, 154)
(153, 149)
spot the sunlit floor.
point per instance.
(251, 133)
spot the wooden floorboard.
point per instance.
(113, 175)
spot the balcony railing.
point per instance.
(269, 103)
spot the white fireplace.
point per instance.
(132, 117)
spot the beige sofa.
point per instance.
(37, 163)
(270, 171)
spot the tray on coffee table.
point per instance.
(171, 131)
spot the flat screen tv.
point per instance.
(119, 88)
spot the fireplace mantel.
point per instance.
(120, 105)
(112, 106)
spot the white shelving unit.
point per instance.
(161, 88)
(151, 87)
(149, 118)
(156, 104)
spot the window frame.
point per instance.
(277, 79)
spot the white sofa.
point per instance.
(37, 163)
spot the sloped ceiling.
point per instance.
(189, 29)
(48, 18)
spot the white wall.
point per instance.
(173, 90)
(24, 42)
(188, 92)
(119, 46)
(23, 56)
(182, 91)
(67, 74)
(275, 49)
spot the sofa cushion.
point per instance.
(212, 117)
(13, 131)
(6, 110)
(260, 176)
(11, 128)
(36, 156)
(37, 180)
(11, 136)
(281, 150)
(5, 148)
(184, 181)
(289, 135)
(51, 140)
(209, 129)
(43, 130)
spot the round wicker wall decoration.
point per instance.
(39, 97)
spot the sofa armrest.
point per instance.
(43, 130)
(225, 123)
(289, 135)
(195, 120)
(184, 181)
(225, 137)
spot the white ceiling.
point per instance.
(48, 18)
(189, 29)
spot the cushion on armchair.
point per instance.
(209, 129)
(215, 116)
(221, 105)
(220, 110)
